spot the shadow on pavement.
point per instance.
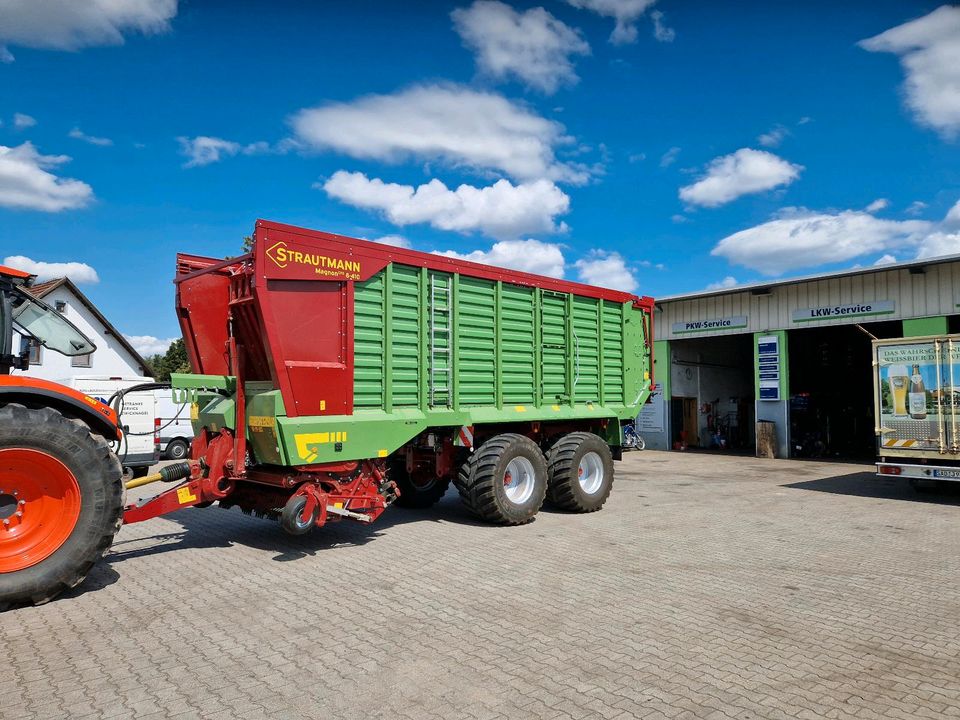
(866, 484)
(214, 527)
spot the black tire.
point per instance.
(414, 492)
(291, 520)
(565, 489)
(97, 473)
(480, 481)
(177, 449)
(140, 471)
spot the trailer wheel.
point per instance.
(292, 519)
(415, 491)
(581, 472)
(61, 503)
(505, 480)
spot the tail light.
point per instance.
(156, 434)
(890, 470)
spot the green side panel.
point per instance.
(661, 370)
(612, 359)
(636, 363)
(405, 337)
(518, 338)
(476, 346)
(586, 343)
(919, 327)
(368, 343)
(553, 347)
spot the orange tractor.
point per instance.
(61, 490)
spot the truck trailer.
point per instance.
(333, 377)
(917, 409)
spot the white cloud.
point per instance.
(728, 282)
(501, 210)
(78, 134)
(532, 46)
(945, 237)
(916, 207)
(205, 150)
(887, 259)
(877, 205)
(929, 51)
(744, 172)
(774, 136)
(74, 24)
(669, 157)
(606, 269)
(76, 271)
(394, 240)
(532, 256)
(26, 183)
(799, 238)
(21, 121)
(661, 31)
(148, 345)
(624, 12)
(449, 123)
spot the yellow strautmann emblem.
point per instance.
(307, 443)
(283, 256)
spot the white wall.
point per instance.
(932, 293)
(110, 357)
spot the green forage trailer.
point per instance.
(334, 377)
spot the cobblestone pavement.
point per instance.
(709, 587)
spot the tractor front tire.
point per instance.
(581, 472)
(505, 480)
(61, 503)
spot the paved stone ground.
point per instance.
(709, 587)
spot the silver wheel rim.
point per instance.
(590, 473)
(518, 480)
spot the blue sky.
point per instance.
(656, 146)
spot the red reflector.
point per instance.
(890, 470)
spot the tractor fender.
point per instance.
(34, 392)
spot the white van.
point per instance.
(176, 430)
(140, 447)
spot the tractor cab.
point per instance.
(32, 318)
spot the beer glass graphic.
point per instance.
(899, 380)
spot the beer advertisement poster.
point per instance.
(917, 397)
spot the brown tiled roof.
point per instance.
(48, 286)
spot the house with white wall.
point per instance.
(114, 355)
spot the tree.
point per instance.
(173, 361)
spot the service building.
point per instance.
(794, 352)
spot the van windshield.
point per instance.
(38, 320)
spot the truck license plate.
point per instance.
(943, 473)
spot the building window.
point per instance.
(82, 361)
(35, 349)
(61, 306)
